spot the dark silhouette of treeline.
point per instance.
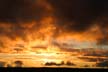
(59, 64)
(102, 64)
(17, 63)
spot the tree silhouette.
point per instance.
(69, 63)
(9, 65)
(102, 64)
(18, 49)
(2, 64)
(18, 63)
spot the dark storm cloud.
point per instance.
(16, 12)
(83, 12)
(103, 23)
(25, 10)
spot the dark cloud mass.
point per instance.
(82, 12)
(25, 10)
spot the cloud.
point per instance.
(22, 10)
(27, 20)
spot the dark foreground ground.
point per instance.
(46, 69)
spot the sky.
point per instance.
(73, 16)
(83, 12)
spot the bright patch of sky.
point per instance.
(72, 43)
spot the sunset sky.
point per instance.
(81, 23)
(54, 33)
